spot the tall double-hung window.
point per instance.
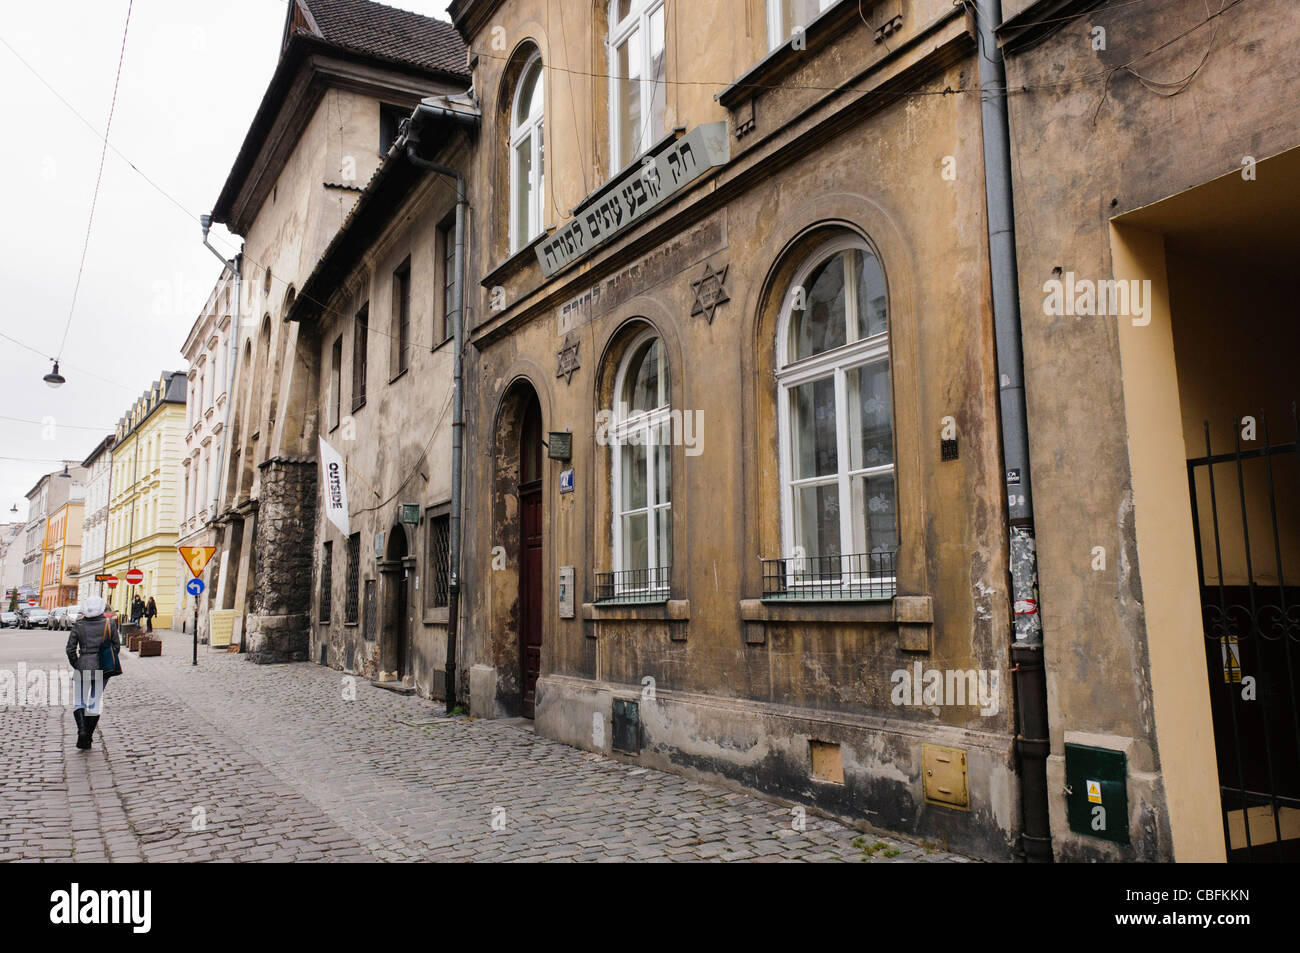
(637, 78)
(527, 155)
(838, 509)
(640, 437)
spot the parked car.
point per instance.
(65, 617)
(8, 620)
(37, 618)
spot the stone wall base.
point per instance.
(763, 748)
(271, 639)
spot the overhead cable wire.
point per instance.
(99, 178)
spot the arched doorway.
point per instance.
(530, 554)
(394, 635)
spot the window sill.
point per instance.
(399, 375)
(785, 59)
(913, 616)
(358, 404)
(515, 261)
(670, 610)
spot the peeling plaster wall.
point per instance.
(738, 711)
(397, 444)
(1081, 157)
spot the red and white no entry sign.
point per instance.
(31, 603)
(111, 581)
(134, 577)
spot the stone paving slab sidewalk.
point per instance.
(230, 761)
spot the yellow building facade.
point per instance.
(145, 498)
(61, 555)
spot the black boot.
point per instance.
(91, 722)
(83, 736)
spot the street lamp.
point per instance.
(54, 378)
(65, 472)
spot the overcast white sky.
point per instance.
(193, 75)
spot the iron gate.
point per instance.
(1246, 521)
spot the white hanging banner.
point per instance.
(336, 486)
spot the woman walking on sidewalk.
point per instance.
(87, 635)
(150, 611)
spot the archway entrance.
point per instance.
(396, 609)
(530, 554)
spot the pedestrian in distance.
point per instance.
(89, 634)
(150, 611)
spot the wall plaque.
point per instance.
(633, 196)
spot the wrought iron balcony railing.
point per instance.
(633, 585)
(851, 576)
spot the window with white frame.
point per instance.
(839, 519)
(786, 16)
(527, 155)
(639, 434)
(637, 87)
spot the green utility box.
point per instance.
(1096, 781)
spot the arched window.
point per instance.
(640, 437)
(527, 155)
(839, 520)
(636, 78)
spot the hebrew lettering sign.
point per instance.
(632, 197)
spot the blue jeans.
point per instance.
(88, 690)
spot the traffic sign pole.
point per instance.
(196, 557)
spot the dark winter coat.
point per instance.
(84, 640)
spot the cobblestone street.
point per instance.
(236, 762)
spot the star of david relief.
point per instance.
(567, 357)
(709, 291)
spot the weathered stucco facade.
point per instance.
(385, 401)
(316, 139)
(1117, 179)
(733, 686)
(735, 491)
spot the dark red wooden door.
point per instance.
(530, 594)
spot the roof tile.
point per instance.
(390, 33)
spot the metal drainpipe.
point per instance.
(1032, 740)
(411, 141)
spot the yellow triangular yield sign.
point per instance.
(196, 557)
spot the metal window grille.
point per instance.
(439, 564)
(850, 576)
(360, 344)
(634, 585)
(371, 611)
(447, 232)
(326, 578)
(401, 341)
(354, 575)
